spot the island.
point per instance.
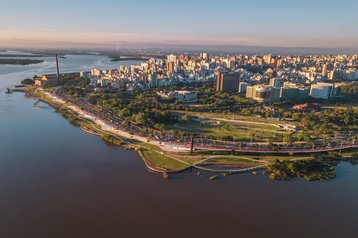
(19, 61)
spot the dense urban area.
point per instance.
(293, 115)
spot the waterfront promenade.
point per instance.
(113, 125)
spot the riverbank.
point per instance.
(152, 155)
(157, 156)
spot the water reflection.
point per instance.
(57, 181)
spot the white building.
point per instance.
(84, 74)
(204, 56)
(103, 82)
(184, 96)
(95, 72)
(171, 58)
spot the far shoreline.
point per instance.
(7, 61)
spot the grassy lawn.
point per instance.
(147, 145)
(238, 131)
(161, 160)
(278, 157)
(231, 116)
(231, 160)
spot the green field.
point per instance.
(231, 160)
(238, 131)
(162, 161)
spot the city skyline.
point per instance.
(161, 24)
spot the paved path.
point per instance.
(229, 170)
(181, 147)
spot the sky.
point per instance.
(164, 23)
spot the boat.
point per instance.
(8, 91)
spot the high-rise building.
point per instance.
(335, 75)
(95, 72)
(84, 74)
(144, 78)
(279, 63)
(229, 63)
(228, 82)
(170, 67)
(153, 80)
(171, 58)
(324, 70)
(171, 63)
(267, 59)
(204, 56)
(273, 63)
(277, 82)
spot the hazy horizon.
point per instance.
(327, 25)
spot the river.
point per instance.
(57, 181)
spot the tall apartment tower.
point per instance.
(279, 63)
(153, 80)
(170, 67)
(267, 59)
(228, 82)
(171, 63)
(324, 70)
(171, 58)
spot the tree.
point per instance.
(140, 118)
(288, 139)
(296, 116)
(159, 126)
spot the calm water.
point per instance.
(56, 181)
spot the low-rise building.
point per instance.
(307, 106)
(321, 90)
(243, 87)
(184, 96)
(277, 82)
(293, 92)
(263, 93)
(47, 80)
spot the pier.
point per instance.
(15, 89)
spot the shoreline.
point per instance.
(60, 106)
(152, 152)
